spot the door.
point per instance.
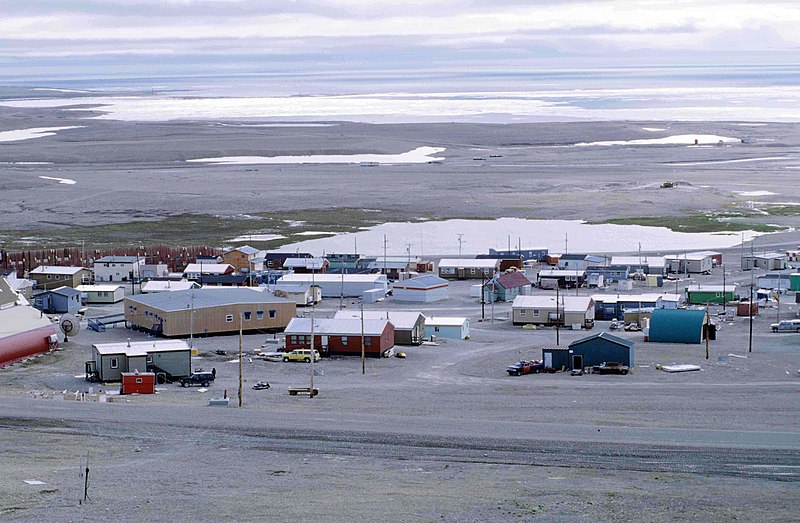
(325, 343)
(548, 360)
(577, 361)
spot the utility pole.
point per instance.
(566, 243)
(750, 344)
(558, 340)
(191, 320)
(724, 294)
(385, 270)
(707, 329)
(363, 350)
(460, 235)
(311, 388)
(483, 295)
(241, 319)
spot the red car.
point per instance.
(525, 367)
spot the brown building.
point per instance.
(201, 312)
(244, 259)
(53, 276)
(341, 336)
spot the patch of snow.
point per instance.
(65, 181)
(256, 238)
(418, 155)
(676, 139)
(34, 132)
(754, 193)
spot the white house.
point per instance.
(446, 327)
(545, 310)
(333, 285)
(423, 289)
(195, 271)
(108, 293)
(118, 268)
(468, 268)
(168, 285)
(302, 294)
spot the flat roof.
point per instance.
(468, 263)
(651, 297)
(98, 288)
(121, 259)
(56, 269)
(566, 303)
(205, 298)
(400, 319)
(140, 348)
(332, 278)
(445, 321)
(336, 327)
(427, 281)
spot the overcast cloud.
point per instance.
(251, 33)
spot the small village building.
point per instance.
(154, 270)
(341, 336)
(598, 349)
(506, 262)
(244, 259)
(718, 294)
(395, 270)
(793, 255)
(454, 328)
(578, 262)
(507, 286)
(344, 285)
(275, 259)
(198, 271)
(95, 294)
(52, 277)
(118, 268)
(610, 273)
(208, 311)
(24, 331)
(562, 278)
(110, 360)
(769, 261)
(22, 286)
(58, 301)
(775, 280)
(677, 326)
(613, 306)
(544, 310)
(690, 263)
(138, 383)
(338, 261)
(153, 286)
(642, 264)
(409, 327)
(228, 280)
(794, 282)
(303, 294)
(422, 289)
(467, 268)
(306, 265)
(537, 254)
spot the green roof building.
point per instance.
(718, 294)
(677, 326)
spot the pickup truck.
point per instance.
(611, 367)
(525, 367)
(202, 378)
(786, 326)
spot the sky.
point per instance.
(70, 38)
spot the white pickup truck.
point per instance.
(786, 326)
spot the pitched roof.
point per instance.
(140, 348)
(513, 280)
(65, 291)
(336, 326)
(98, 288)
(167, 285)
(427, 281)
(445, 321)
(402, 320)
(605, 336)
(468, 263)
(208, 268)
(246, 249)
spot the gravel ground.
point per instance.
(442, 435)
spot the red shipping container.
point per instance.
(138, 383)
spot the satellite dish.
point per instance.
(69, 326)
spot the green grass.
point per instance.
(696, 223)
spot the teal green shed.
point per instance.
(677, 326)
(794, 282)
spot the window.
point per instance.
(114, 363)
(344, 340)
(49, 276)
(436, 329)
(535, 313)
(259, 315)
(149, 359)
(229, 318)
(272, 313)
(367, 341)
(523, 312)
(247, 316)
(139, 380)
(472, 270)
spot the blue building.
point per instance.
(610, 273)
(58, 301)
(598, 349)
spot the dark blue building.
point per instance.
(598, 349)
(58, 301)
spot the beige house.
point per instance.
(543, 310)
(244, 259)
(52, 276)
(199, 312)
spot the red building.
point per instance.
(138, 383)
(341, 336)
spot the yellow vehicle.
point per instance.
(300, 355)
